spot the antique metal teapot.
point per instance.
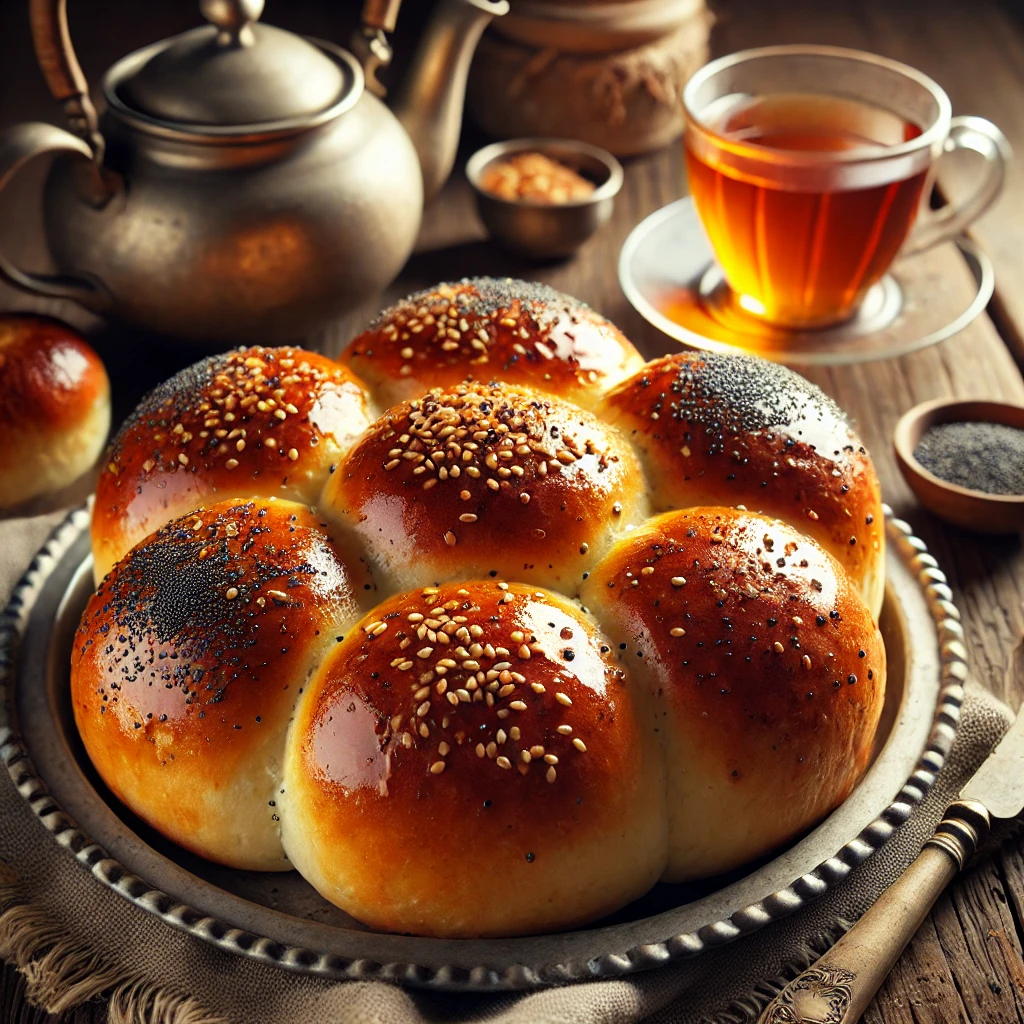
(243, 183)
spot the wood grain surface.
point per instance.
(965, 965)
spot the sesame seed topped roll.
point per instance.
(485, 329)
(486, 479)
(469, 761)
(55, 411)
(735, 430)
(255, 422)
(764, 670)
(189, 660)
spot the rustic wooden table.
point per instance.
(965, 964)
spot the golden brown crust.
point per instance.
(188, 662)
(468, 761)
(765, 669)
(50, 377)
(487, 479)
(252, 422)
(734, 430)
(55, 410)
(485, 329)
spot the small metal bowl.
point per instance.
(547, 230)
(961, 506)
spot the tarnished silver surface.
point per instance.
(241, 185)
(281, 920)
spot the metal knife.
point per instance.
(838, 988)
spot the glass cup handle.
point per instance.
(986, 139)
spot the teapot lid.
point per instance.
(234, 72)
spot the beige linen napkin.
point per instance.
(74, 939)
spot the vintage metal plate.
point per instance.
(281, 920)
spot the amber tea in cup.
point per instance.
(807, 166)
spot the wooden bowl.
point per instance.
(961, 506)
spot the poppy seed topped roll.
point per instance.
(486, 479)
(255, 422)
(501, 782)
(764, 672)
(734, 430)
(485, 329)
(189, 660)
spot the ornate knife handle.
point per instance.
(838, 988)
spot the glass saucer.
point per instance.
(668, 273)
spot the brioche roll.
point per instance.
(469, 761)
(764, 670)
(734, 430)
(55, 412)
(189, 660)
(487, 329)
(486, 479)
(255, 422)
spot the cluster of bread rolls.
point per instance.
(489, 626)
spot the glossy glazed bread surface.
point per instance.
(485, 329)
(55, 409)
(486, 479)
(497, 696)
(253, 422)
(189, 660)
(501, 782)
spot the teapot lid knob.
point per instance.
(233, 18)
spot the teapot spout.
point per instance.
(432, 97)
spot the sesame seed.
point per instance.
(536, 750)
(777, 647)
(501, 737)
(551, 774)
(678, 581)
(449, 538)
(407, 353)
(647, 570)
(677, 631)
(806, 659)
(424, 652)
(524, 498)
(514, 732)
(231, 593)
(565, 730)
(524, 652)
(465, 495)
(271, 442)
(443, 749)
(579, 745)
(437, 767)
(423, 709)
(563, 698)
(467, 517)
(147, 466)
(550, 759)
(518, 705)
(503, 762)
(293, 454)
(183, 459)
(240, 445)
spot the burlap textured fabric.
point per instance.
(76, 939)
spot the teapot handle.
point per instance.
(63, 73)
(371, 44)
(19, 145)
